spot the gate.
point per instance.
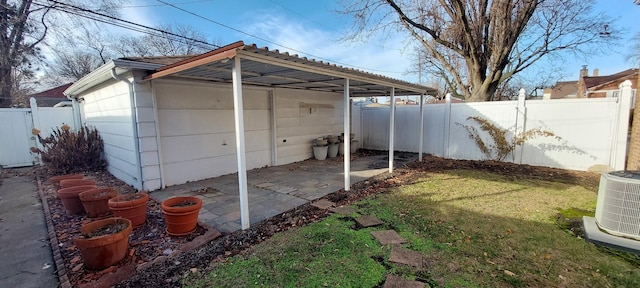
(16, 125)
(16, 138)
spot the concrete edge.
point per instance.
(596, 236)
(63, 278)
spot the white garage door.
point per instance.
(197, 130)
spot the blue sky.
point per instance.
(313, 29)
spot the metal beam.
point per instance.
(238, 115)
(347, 138)
(392, 119)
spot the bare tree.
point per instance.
(495, 39)
(25, 25)
(189, 42)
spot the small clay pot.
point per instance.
(131, 206)
(66, 183)
(56, 179)
(100, 252)
(181, 220)
(71, 198)
(96, 201)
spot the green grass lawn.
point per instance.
(474, 229)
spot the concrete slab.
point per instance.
(323, 204)
(403, 255)
(368, 221)
(344, 210)
(394, 281)
(24, 247)
(388, 237)
(279, 188)
(593, 234)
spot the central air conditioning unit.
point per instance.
(618, 206)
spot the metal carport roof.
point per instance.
(264, 67)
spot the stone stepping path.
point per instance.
(343, 210)
(405, 256)
(323, 204)
(368, 221)
(394, 281)
(388, 237)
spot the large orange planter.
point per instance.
(56, 179)
(131, 206)
(71, 199)
(96, 201)
(181, 219)
(100, 252)
(66, 183)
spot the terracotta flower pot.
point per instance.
(71, 198)
(56, 179)
(105, 249)
(96, 201)
(66, 183)
(131, 206)
(181, 214)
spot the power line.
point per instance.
(96, 16)
(266, 40)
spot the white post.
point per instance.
(421, 134)
(521, 124)
(447, 125)
(347, 138)
(619, 148)
(238, 114)
(392, 117)
(35, 120)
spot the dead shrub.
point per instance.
(66, 151)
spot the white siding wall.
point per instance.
(297, 125)
(108, 108)
(197, 130)
(148, 146)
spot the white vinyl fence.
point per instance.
(592, 132)
(16, 125)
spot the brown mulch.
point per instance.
(147, 243)
(151, 241)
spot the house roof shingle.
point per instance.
(55, 92)
(591, 81)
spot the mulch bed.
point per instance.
(147, 243)
(157, 264)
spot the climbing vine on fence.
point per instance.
(501, 145)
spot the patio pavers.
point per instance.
(271, 190)
(368, 221)
(394, 281)
(405, 256)
(388, 237)
(323, 204)
(344, 210)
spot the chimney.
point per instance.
(595, 72)
(584, 72)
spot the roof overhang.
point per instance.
(263, 67)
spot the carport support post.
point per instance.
(238, 115)
(347, 137)
(392, 124)
(421, 134)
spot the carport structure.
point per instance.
(239, 64)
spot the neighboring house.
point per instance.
(52, 97)
(594, 86)
(170, 120)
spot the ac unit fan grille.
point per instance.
(618, 206)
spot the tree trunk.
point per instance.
(5, 86)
